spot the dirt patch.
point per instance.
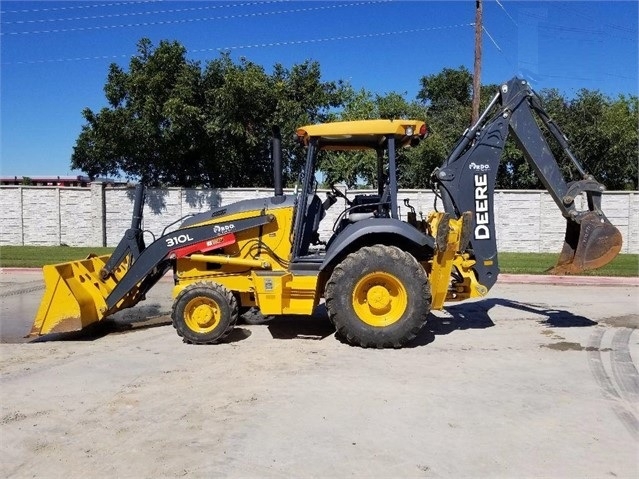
(627, 321)
(568, 346)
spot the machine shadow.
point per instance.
(458, 317)
(476, 315)
(111, 326)
(317, 326)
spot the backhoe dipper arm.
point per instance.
(466, 182)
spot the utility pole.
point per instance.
(477, 72)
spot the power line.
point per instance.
(622, 28)
(330, 39)
(506, 12)
(133, 14)
(77, 7)
(600, 29)
(192, 20)
(256, 45)
(479, 8)
(494, 42)
(620, 76)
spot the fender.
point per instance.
(376, 227)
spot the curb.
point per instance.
(20, 270)
(568, 280)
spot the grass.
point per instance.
(38, 256)
(539, 263)
(513, 263)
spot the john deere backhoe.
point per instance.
(378, 275)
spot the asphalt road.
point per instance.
(535, 380)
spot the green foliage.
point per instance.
(602, 133)
(359, 168)
(451, 88)
(171, 122)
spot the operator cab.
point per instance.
(381, 136)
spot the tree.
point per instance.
(447, 89)
(147, 129)
(619, 124)
(170, 122)
(446, 96)
(602, 134)
(359, 168)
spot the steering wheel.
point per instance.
(339, 193)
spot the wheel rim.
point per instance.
(379, 299)
(202, 315)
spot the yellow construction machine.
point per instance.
(379, 275)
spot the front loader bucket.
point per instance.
(74, 295)
(589, 244)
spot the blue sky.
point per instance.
(55, 55)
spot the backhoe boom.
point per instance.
(466, 182)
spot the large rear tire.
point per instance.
(378, 297)
(204, 313)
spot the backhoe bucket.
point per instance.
(589, 244)
(75, 295)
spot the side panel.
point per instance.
(285, 293)
(269, 242)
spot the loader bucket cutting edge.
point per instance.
(74, 295)
(590, 244)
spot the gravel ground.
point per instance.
(532, 381)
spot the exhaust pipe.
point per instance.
(276, 156)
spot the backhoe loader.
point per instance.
(378, 275)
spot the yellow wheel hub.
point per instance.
(202, 315)
(379, 299)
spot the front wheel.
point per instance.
(378, 297)
(204, 313)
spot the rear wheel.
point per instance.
(204, 313)
(378, 297)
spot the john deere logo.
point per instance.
(482, 214)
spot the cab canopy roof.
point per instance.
(363, 134)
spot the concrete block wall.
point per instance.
(48, 216)
(526, 221)
(11, 216)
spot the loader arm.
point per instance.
(83, 292)
(466, 182)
